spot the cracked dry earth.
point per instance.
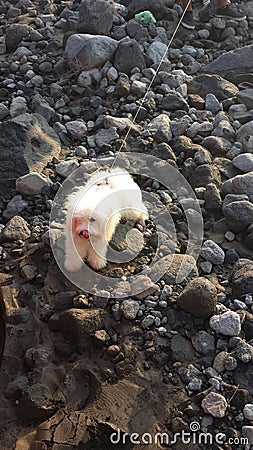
(90, 397)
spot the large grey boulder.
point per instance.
(239, 60)
(95, 17)
(27, 144)
(88, 50)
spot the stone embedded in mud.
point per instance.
(79, 326)
(199, 298)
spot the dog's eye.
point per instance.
(92, 219)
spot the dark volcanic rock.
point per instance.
(205, 174)
(239, 60)
(27, 143)
(205, 84)
(239, 215)
(95, 17)
(174, 101)
(127, 56)
(199, 298)
(241, 277)
(14, 35)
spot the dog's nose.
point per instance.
(84, 234)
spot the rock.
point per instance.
(171, 268)
(217, 145)
(4, 111)
(199, 298)
(148, 321)
(227, 323)
(79, 326)
(105, 137)
(204, 83)
(95, 17)
(88, 77)
(127, 56)
(229, 62)
(244, 162)
(42, 107)
(212, 252)
(245, 96)
(101, 299)
(157, 51)
(181, 349)
(129, 309)
(248, 411)
(88, 50)
(160, 127)
(212, 103)
(203, 342)
(244, 135)
(160, 9)
(32, 183)
(219, 361)
(239, 215)
(214, 404)
(230, 363)
(14, 206)
(247, 432)
(65, 168)
(212, 197)
(241, 277)
(205, 174)
(76, 128)
(240, 184)
(27, 143)
(120, 123)
(28, 271)
(141, 287)
(64, 300)
(173, 101)
(225, 130)
(14, 35)
(18, 106)
(244, 352)
(35, 403)
(15, 229)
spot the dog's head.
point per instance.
(87, 224)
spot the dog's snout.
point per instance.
(84, 234)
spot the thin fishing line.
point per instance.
(149, 86)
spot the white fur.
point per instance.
(107, 197)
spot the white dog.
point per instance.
(93, 213)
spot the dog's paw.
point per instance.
(97, 263)
(72, 266)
